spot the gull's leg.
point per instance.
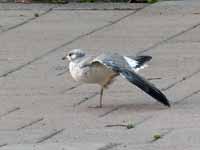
(100, 100)
(101, 96)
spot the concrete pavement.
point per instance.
(43, 108)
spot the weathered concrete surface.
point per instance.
(43, 108)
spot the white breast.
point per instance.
(76, 71)
(91, 74)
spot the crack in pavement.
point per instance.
(67, 43)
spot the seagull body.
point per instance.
(103, 69)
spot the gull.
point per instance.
(104, 68)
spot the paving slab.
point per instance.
(43, 108)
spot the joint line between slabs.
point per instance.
(30, 124)
(70, 88)
(109, 146)
(85, 99)
(168, 39)
(181, 80)
(110, 111)
(186, 97)
(26, 21)
(47, 137)
(10, 111)
(2, 145)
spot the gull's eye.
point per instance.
(70, 54)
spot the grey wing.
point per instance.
(87, 61)
(116, 60)
(112, 61)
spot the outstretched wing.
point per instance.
(145, 86)
(119, 66)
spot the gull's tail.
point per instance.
(138, 62)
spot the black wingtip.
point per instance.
(145, 86)
(142, 60)
(158, 95)
(165, 101)
(168, 104)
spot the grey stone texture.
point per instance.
(42, 107)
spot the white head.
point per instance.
(74, 54)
